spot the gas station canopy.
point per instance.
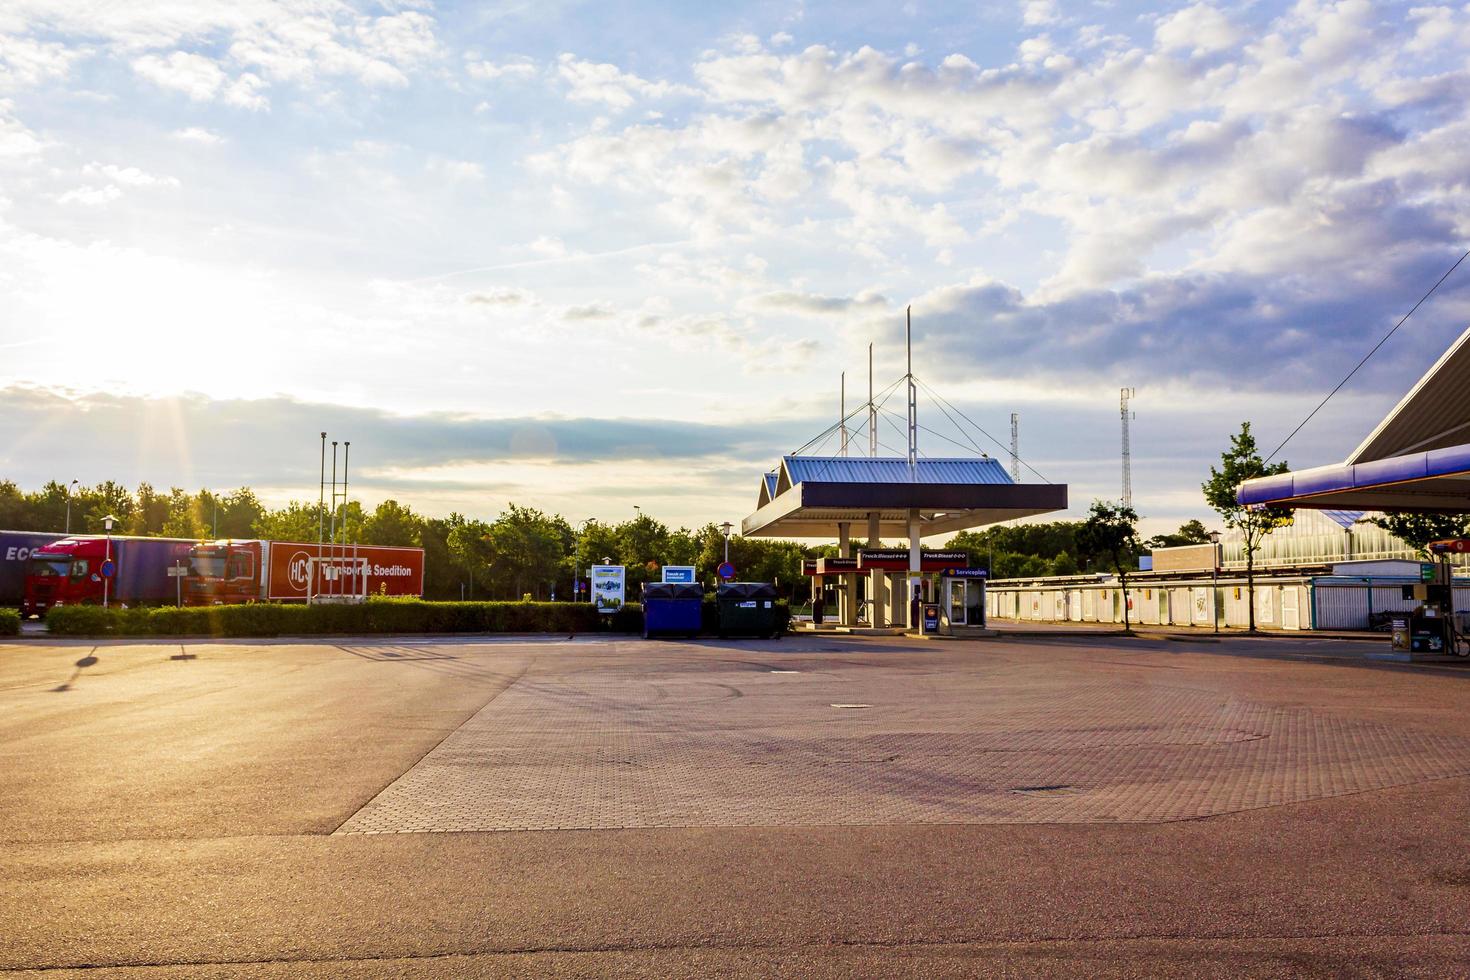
(812, 496)
(1417, 459)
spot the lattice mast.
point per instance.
(1015, 448)
(1125, 395)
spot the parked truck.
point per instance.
(233, 571)
(15, 555)
(69, 571)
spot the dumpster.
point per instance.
(671, 608)
(748, 609)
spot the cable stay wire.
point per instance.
(840, 422)
(940, 398)
(941, 435)
(1366, 356)
(900, 432)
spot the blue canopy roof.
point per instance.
(1437, 480)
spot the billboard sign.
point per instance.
(608, 583)
(680, 574)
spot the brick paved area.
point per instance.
(684, 741)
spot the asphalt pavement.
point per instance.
(819, 806)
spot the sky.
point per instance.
(587, 256)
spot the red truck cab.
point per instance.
(223, 573)
(64, 573)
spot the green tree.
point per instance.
(1110, 533)
(150, 511)
(1190, 532)
(1241, 462)
(469, 550)
(238, 513)
(526, 549)
(392, 523)
(1418, 530)
(294, 522)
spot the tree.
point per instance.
(1190, 532)
(1111, 533)
(1417, 530)
(294, 522)
(392, 523)
(1241, 462)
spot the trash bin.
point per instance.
(671, 608)
(748, 609)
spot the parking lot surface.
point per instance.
(818, 806)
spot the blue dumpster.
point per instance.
(671, 609)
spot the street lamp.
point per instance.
(68, 505)
(725, 527)
(107, 523)
(1215, 581)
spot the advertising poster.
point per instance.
(607, 587)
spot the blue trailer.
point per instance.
(15, 551)
(142, 569)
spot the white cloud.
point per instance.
(128, 176)
(91, 196)
(194, 75)
(589, 81)
(1036, 13)
(1201, 28)
(26, 61)
(196, 134)
(487, 71)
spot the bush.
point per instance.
(9, 622)
(373, 616)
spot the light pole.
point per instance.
(68, 505)
(725, 527)
(107, 523)
(1215, 581)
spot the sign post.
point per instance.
(680, 574)
(726, 571)
(176, 572)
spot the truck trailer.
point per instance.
(232, 571)
(15, 555)
(69, 571)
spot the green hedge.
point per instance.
(9, 622)
(374, 616)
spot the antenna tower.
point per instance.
(1015, 448)
(1127, 416)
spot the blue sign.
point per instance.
(966, 572)
(108, 569)
(679, 574)
(726, 571)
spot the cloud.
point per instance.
(201, 79)
(435, 462)
(815, 305)
(128, 176)
(590, 311)
(91, 195)
(589, 81)
(196, 134)
(499, 297)
(487, 71)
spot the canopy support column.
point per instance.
(877, 581)
(915, 557)
(847, 607)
